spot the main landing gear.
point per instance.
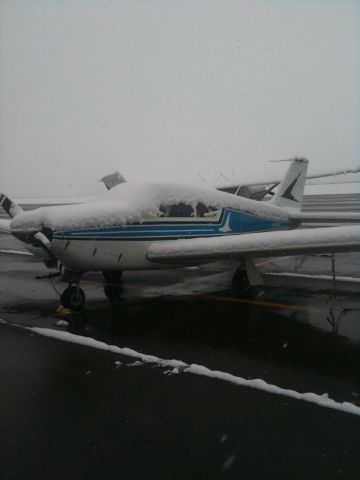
(247, 279)
(113, 290)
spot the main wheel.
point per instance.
(241, 284)
(73, 298)
(113, 293)
(112, 276)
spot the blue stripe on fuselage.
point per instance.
(231, 222)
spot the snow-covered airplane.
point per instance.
(138, 226)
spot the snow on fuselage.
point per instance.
(115, 231)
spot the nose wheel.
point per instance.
(73, 297)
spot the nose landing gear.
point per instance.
(73, 296)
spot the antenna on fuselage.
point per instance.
(202, 178)
(221, 175)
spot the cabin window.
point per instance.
(177, 210)
(203, 210)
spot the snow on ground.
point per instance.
(339, 278)
(194, 285)
(178, 366)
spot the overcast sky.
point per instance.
(165, 90)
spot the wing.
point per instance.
(261, 244)
(325, 217)
(5, 226)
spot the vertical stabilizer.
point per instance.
(291, 189)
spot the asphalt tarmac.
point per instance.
(72, 409)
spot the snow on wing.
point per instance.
(325, 217)
(272, 244)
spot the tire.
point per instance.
(241, 285)
(73, 298)
(113, 294)
(112, 276)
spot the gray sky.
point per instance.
(165, 90)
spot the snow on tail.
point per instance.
(291, 189)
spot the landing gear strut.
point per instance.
(113, 291)
(240, 282)
(112, 276)
(246, 279)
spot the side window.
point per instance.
(164, 210)
(206, 211)
(177, 210)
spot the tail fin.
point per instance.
(10, 207)
(291, 189)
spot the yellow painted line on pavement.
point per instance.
(284, 306)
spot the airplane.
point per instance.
(141, 226)
(259, 189)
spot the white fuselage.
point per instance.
(115, 232)
(104, 254)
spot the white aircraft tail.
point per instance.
(291, 189)
(10, 207)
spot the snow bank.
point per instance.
(258, 384)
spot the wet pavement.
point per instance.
(72, 411)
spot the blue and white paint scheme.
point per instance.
(138, 226)
(230, 222)
(116, 231)
(125, 246)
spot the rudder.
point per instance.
(290, 191)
